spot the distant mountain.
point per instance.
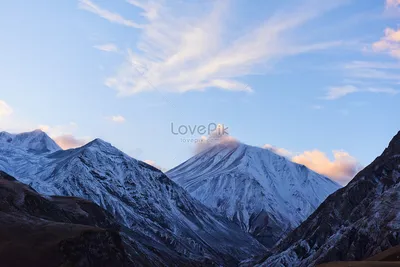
(357, 222)
(55, 231)
(267, 194)
(161, 219)
(36, 141)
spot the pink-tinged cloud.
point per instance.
(390, 43)
(68, 141)
(341, 169)
(392, 4)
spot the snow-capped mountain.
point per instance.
(355, 223)
(172, 226)
(36, 141)
(267, 194)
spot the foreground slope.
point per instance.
(388, 258)
(55, 231)
(267, 194)
(355, 223)
(174, 227)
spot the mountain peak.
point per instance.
(394, 146)
(35, 141)
(275, 194)
(98, 143)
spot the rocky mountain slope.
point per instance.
(169, 225)
(357, 222)
(55, 231)
(267, 194)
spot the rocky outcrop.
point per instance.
(55, 231)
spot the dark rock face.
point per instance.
(356, 222)
(55, 231)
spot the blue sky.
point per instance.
(317, 81)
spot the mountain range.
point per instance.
(230, 205)
(172, 227)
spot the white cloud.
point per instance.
(5, 109)
(117, 119)
(341, 91)
(108, 15)
(107, 47)
(178, 53)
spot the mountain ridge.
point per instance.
(356, 222)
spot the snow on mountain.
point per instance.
(355, 223)
(36, 141)
(267, 194)
(172, 226)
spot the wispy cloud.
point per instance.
(105, 14)
(176, 53)
(5, 109)
(373, 72)
(342, 91)
(107, 47)
(116, 118)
